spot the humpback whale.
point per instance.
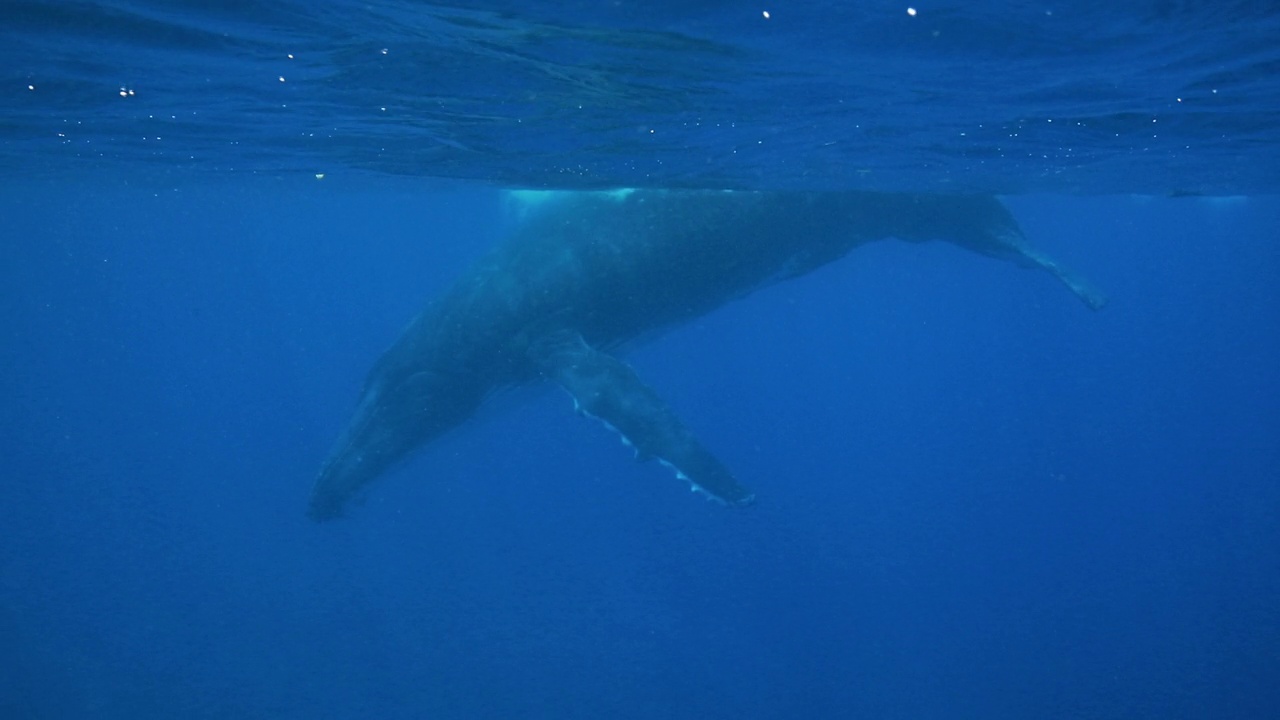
(586, 272)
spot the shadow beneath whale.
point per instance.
(585, 272)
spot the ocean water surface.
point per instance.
(975, 497)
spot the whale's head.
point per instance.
(398, 412)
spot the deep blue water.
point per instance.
(976, 499)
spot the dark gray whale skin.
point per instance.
(587, 271)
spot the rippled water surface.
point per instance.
(1154, 96)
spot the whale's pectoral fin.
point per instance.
(607, 389)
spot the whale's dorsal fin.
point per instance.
(607, 389)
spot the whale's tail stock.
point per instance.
(1088, 293)
(984, 225)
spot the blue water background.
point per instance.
(976, 498)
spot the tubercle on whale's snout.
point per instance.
(399, 411)
(332, 491)
(323, 510)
